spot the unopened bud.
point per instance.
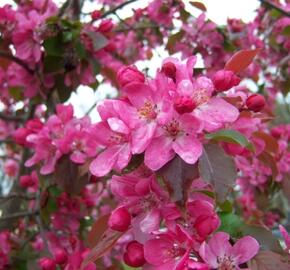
(169, 69)
(224, 80)
(120, 219)
(134, 255)
(255, 102)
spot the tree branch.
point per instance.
(273, 6)
(113, 10)
(19, 215)
(16, 195)
(8, 117)
(16, 60)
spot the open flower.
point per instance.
(219, 254)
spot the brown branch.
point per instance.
(19, 215)
(113, 10)
(9, 117)
(16, 195)
(16, 60)
(273, 6)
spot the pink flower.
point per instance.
(168, 251)
(219, 253)
(224, 80)
(177, 135)
(286, 237)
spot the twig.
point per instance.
(8, 117)
(19, 215)
(91, 109)
(113, 10)
(15, 195)
(16, 60)
(284, 12)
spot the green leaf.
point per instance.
(81, 50)
(231, 136)
(226, 206)
(230, 223)
(16, 93)
(286, 31)
(53, 63)
(53, 46)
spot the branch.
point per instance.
(8, 117)
(141, 27)
(16, 195)
(16, 60)
(19, 215)
(113, 10)
(271, 5)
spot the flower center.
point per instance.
(201, 96)
(148, 111)
(172, 128)
(117, 138)
(225, 263)
(175, 252)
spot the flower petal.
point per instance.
(158, 153)
(188, 148)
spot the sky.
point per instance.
(217, 10)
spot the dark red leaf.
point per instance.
(241, 60)
(271, 144)
(97, 230)
(218, 169)
(178, 176)
(198, 5)
(105, 244)
(269, 161)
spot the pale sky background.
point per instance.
(217, 10)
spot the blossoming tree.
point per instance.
(186, 169)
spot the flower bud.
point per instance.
(47, 264)
(130, 74)
(60, 256)
(20, 135)
(26, 181)
(96, 14)
(134, 255)
(224, 80)
(106, 26)
(169, 69)
(120, 219)
(184, 104)
(255, 102)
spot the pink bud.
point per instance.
(26, 181)
(224, 80)
(255, 102)
(130, 74)
(47, 264)
(96, 14)
(169, 69)
(20, 135)
(106, 26)
(60, 256)
(120, 219)
(277, 132)
(205, 225)
(184, 104)
(134, 255)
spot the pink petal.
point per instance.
(245, 249)
(150, 222)
(207, 255)
(156, 251)
(142, 136)
(105, 161)
(190, 123)
(216, 113)
(124, 157)
(118, 125)
(188, 148)
(158, 153)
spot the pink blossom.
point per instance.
(219, 253)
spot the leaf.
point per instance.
(178, 177)
(198, 5)
(53, 63)
(265, 238)
(286, 31)
(269, 161)
(54, 46)
(240, 60)
(268, 260)
(69, 177)
(230, 223)
(172, 41)
(218, 169)
(99, 40)
(97, 230)
(271, 144)
(106, 243)
(232, 136)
